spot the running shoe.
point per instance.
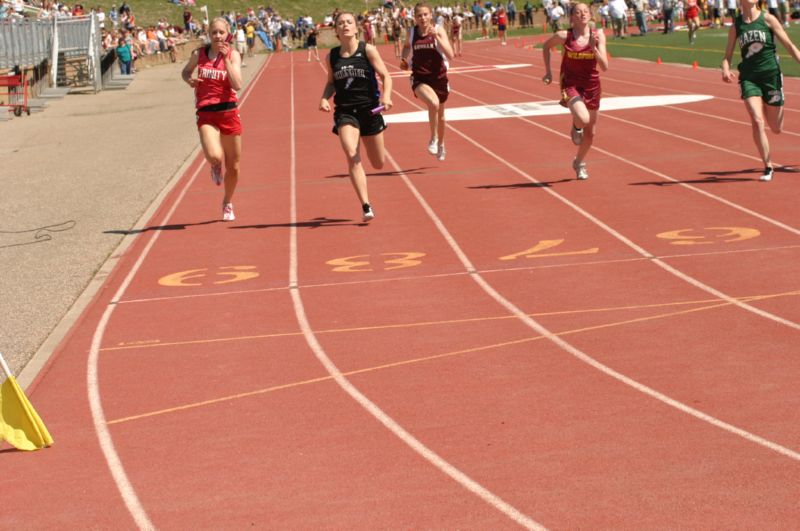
(767, 175)
(216, 174)
(368, 212)
(432, 147)
(577, 135)
(227, 212)
(580, 170)
(441, 153)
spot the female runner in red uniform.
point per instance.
(357, 117)
(502, 24)
(431, 50)
(692, 19)
(219, 76)
(584, 51)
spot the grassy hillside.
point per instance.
(672, 48)
(149, 11)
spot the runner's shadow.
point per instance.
(9, 450)
(413, 171)
(545, 184)
(175, 226)
(311, 224)
(721, 177)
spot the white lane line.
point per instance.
(522, 316)
(722, 200)
(646, 85)
(308, 332)
(415, 444)
(691, 280)
(121, 480)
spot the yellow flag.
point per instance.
(20, 425)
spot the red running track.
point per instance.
(501, 346)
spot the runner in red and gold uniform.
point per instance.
(219, 76)
(430, 51)
(584, 50)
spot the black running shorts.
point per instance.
(360, 117)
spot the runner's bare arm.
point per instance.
(188, 70)
(599, 46)
(329, 90)
(380, 68)
(777, 30)
(233, 64)
(444, 42)
(557, 39)
(727, 76)
(406, 51)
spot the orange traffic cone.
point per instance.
(694, 65)
(658, 61)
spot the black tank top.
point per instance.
(354, 78)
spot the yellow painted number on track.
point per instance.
(543, 245)
(361, 263)
(709, 235)
(402, 260)
(229, 274)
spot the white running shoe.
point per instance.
(227, 212)
(368, 212)
(580, 170)
(441, 153)
(216, 174)
(432, 147)
(577, 135)
(767, 175)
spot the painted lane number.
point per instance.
(200, 277)
(709, 235)
(544, 245)
(363, 262)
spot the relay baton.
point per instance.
(228, 39)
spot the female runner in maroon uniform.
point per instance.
(219, 76)
(431, 50)
(584, 51)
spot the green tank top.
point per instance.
(757, 46)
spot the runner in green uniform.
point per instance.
(760, 78)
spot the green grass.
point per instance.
(148, 12)
(708, 50)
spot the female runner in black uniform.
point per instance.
(351, 77)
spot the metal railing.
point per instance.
(27, 43)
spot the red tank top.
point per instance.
(216, 87)
(426, 58)
(579, 64)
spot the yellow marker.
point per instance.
(361, 263)
(236, 274)
(180, 278)
(709, 235)
(543, 245)
(229, 273)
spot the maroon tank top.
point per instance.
(427, 60)
(578, 64)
